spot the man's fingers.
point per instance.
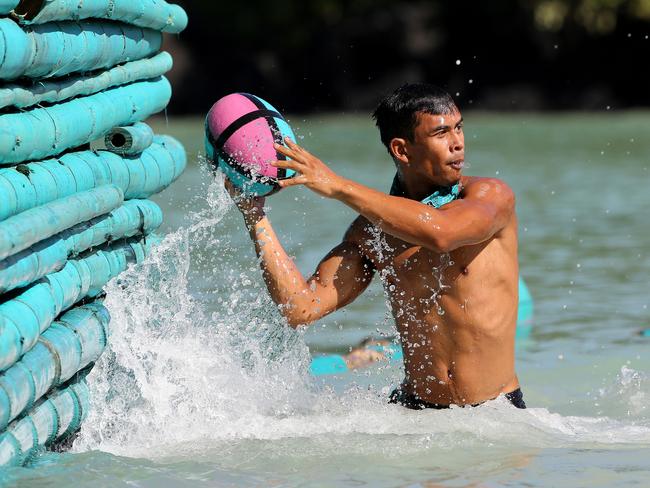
(296, 180)
(291, 149)
(292, 145)
(288, 164)
(290, 153)
(295, 147)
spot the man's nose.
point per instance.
(456, 143)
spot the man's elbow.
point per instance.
(295, 321)
(441, 244)
(304, 309)
(299, 316)
(438, 244)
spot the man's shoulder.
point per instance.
(483, 187)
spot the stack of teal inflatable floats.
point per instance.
(72, 218)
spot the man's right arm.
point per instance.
(342, 275)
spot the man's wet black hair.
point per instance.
(397, 113)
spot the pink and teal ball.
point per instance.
(240, 130)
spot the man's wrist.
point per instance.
(253, 216)
(341, 188)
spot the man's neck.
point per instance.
(417, 188)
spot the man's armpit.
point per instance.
(357, 234)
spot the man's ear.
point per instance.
(399, 150)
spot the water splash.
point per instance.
(181, 379)
(174, 370)
(632, 388)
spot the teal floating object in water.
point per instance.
(335, 364)
(27, 228)
(67, 346)
(34, 184)
(43, 132)
(59, 90)
(328, 364)
(7, 6)
(525, 311)
(152, 14)
(61, 48)
(129, 140)
(26, 316)
(133, 218)
(58, 415)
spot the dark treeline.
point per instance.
(342, 55)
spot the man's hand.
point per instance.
(312, 172)
(252, 208)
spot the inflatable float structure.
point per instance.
(71, 218)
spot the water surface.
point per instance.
(205, 386)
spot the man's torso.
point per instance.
(455, 313)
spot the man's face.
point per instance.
(437, 152)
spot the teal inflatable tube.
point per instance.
(327, 364)
(61, 48)
(133, 218)
(335, 363)
(66, 347)
(7, 6)
(29, 314)
(44, 132)
(31, 226)
(152, 14)
(129, 140)
(525, 311)
(76, 172)
(51, 420)
(59, 90)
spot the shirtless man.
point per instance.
(451, 273)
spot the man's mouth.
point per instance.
(457, 164)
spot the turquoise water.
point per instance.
(204, 386)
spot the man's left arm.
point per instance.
(485, 209)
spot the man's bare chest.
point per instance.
(402, 265)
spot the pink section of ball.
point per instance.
(252, 144)
(226, 110)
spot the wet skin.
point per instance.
(451, 274)
(455, 313)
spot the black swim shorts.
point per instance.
(412, 401)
